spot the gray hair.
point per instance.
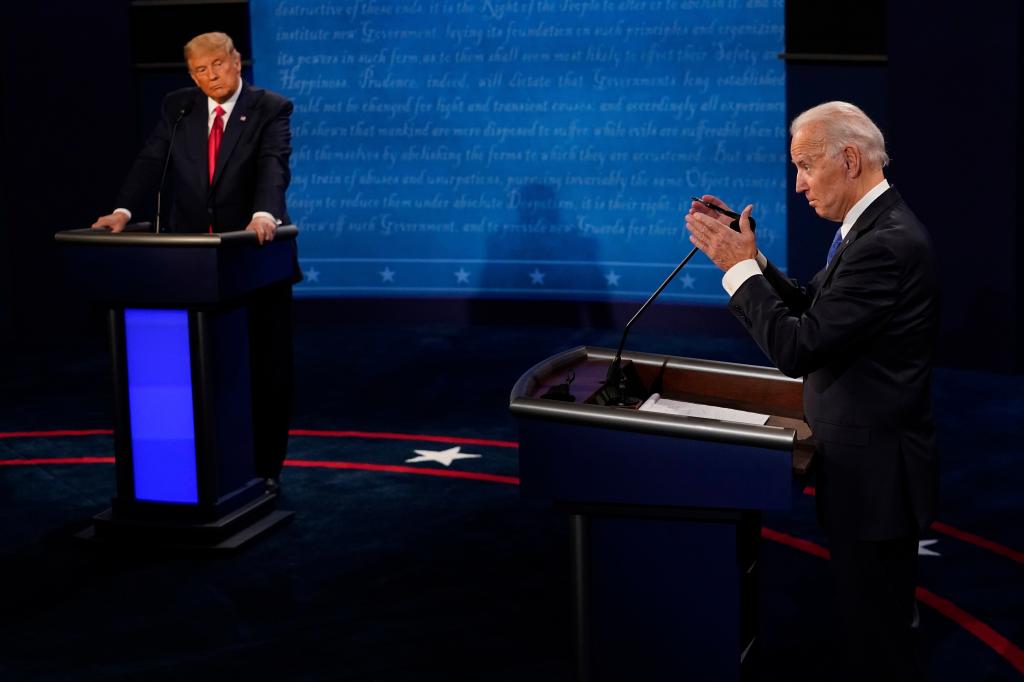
(208, 42)
(845, 124)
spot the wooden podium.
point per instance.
(664, 509)
(183, 431)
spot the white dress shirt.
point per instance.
(212, 104)
(228, 106)
(745, 269)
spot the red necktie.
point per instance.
(213, 144)
(216, 133)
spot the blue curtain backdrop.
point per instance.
(526, 148)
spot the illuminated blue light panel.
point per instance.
(160, 405)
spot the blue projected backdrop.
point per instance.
(523, 148)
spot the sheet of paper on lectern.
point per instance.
(665, 406)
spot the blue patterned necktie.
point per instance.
(835, 246)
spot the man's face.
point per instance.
(821, 177)
(216, 72)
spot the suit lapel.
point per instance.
(196, 135)
(864, 224)
(236, 124)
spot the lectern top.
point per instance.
(98, 237)
(135, 268)
(746, 387)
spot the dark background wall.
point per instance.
(955, 109)
(67, 133)
(80, 84)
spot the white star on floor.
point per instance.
(613, 278)
(445, 457)
(312, 275)
(536, 277)
(922, 548)
(461, 276)
(387, 275)
(687, 281)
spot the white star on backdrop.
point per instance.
(461, 276)
(687, 281)
(387, 275)
(536, 277)
(922, 548)
(612, 277)
(445, 457)
(312, 275)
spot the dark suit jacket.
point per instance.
(862, 333)
(252, 171)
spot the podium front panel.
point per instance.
(577, 463)
(160, 406)
(178, 309)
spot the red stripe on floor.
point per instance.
(394, 469)
(795, 543)
(55, 434)
(302, 463)
(403, 436)
(56, 460)
(1002, 646)
(978, 541)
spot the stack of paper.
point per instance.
(658, 404)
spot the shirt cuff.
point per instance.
(741, 272)
(264, 214)
(125, 211)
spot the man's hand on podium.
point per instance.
(115, 221)
(264, 227)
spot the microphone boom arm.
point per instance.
(615, 382)
(167, 162)
(615, 378)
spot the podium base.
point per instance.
(225, 534)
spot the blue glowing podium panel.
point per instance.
(160, 405)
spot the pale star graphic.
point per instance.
(537, 277)
(687, 280)
(312, 275)
(387, 275)
(613, 278)
(445, 457)
(461, 276)
(922, 548)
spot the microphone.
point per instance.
(617, 383)
(182, 112)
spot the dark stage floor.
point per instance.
(410, 573)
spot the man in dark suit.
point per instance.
(229, 145)
(862, 334)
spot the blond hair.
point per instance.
(209, 42)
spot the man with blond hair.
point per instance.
(226, 145)
(862, 334)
